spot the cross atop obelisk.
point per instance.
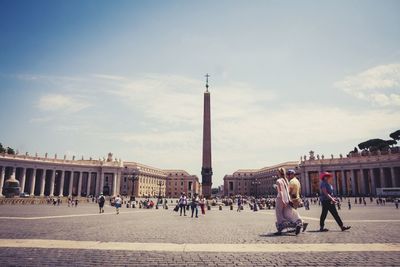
(207, 75)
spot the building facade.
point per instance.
(45, 176)
(179, 181)
(357, 174)
(254, 182)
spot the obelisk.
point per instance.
(206, 170)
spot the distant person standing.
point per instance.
(194, 204)
(349, 204)
(182, 204)
(117, 203)
(101, 202)
(328, 202)
(396, 203)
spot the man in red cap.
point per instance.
(328, 202)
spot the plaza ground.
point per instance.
(52, 235)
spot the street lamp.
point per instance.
(159, 192)
(133, 177)
(255, 183)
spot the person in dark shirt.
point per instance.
(328, 202)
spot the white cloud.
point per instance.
(59, 102)
(379, 85)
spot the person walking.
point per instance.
(117, 203)
(202, 205)
(396, 203)
(182, 204)
(101, 202)
(328, 203)
(239, 203)
(294, 193)
(285, 217)
(194, 204)
(349, 204)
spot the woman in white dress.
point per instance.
(286, 217)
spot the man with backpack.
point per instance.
(101, 202)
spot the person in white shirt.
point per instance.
(117, 203)
(182, 204)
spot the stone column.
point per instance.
(335, 181)
(3, 172)
(71, 181)
(353, 182)
(88, 183)
(23, 180)
(393, 176)
(97, 187)
(114, 184)
(344, 184)
(62, 184)
(101, 184)
(52, 181)
(363, 185)
(382, 178)
(307, 183)
(373, 186)
(42, 183)
(79, 184)
(33, 182)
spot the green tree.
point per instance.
(10, 151)
(395, 135)
(2, 149)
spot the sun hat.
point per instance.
(324, 174)
(291, 171)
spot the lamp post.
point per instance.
(133, 177)
(159, 191)
(255, 183)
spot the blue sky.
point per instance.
(90, 77)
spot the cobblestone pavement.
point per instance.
(72, 257)
(370, 224)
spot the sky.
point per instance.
(90, 77)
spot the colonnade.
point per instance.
(354, 181)
(59, 182)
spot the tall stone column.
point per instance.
(3, 172)
(61, 191)
(97, 186)
(23, 180)
(89, 181)
(307, 177)
(52, 182)
(33, 182)
(373, 186)
(79, 184)
(335, 181)
(382, 178)
(363, 184)
(101, 184)
(114, 184)
(353, 183)
(393, 174)
(71, 182)
(344, 183)
(42, 183)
